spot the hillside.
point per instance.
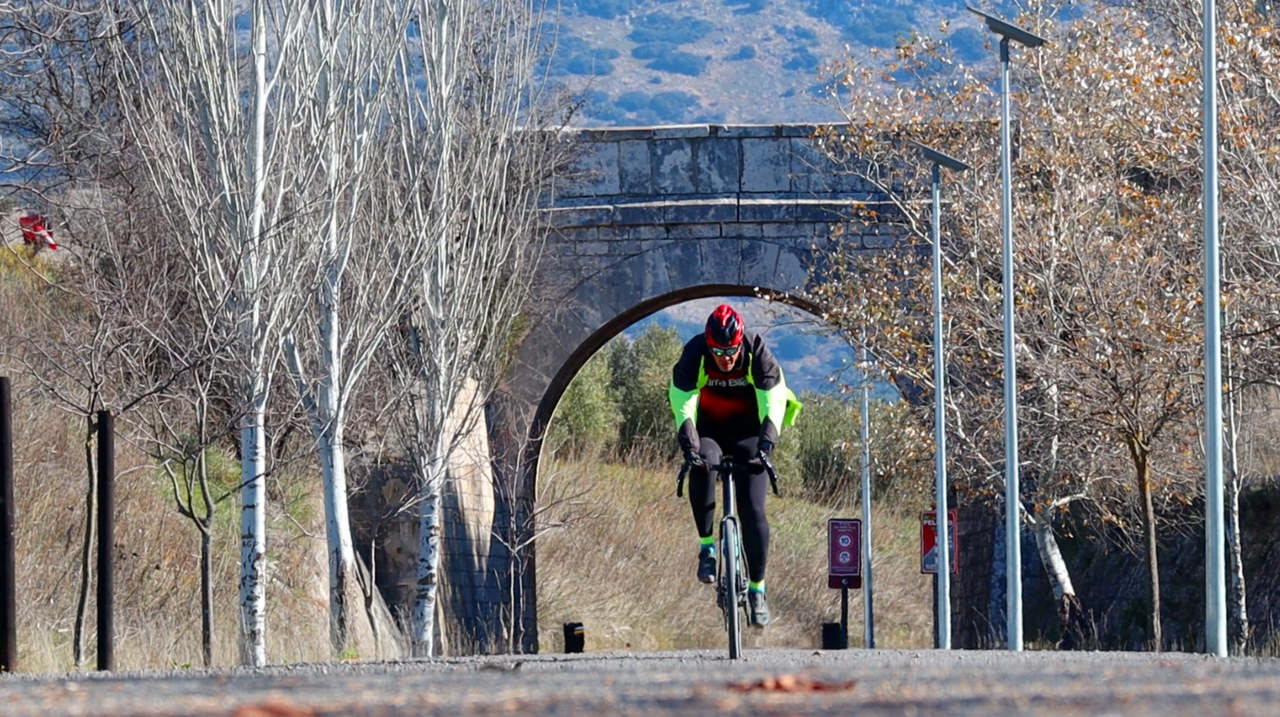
(642, 62)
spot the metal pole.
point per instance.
(939, 425)
(106, 540)
(1215, 624)
(1013, 543)
(8, 583)
(844, 617)
(868, 615)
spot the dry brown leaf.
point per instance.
(792, 683)
(273, 708)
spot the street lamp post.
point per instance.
(1215, 623)
(939, 161)
(1012, 500)
(868, 616)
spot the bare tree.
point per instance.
(482, 167)
(217, 118)
(363, 266)
(1108, 326)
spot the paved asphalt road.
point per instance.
(767, 682)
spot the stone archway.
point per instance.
(656, 217)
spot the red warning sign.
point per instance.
(929, 542)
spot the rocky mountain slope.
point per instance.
(647, 62)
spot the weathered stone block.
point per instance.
(751, 130)
(719, 166)
(766, 210)
(766, 165)
(696, 212)
(673, 166)
(635, 168)
(810, 167)
(647, 213)
(579, 216)
(684, 263)
(741, 229)
(721, 261)
(681, 131)
(878, 241)
(784, 229)
(759, 262)
(693, 231)
(641, 233)
(822, 211)
(596, 172)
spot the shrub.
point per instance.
(594, 63)
(746, 52)
(633, 100)
(680, 63)
(673, 107)
(660, 27)
(880, 26)
(651, 50)
(586, 419)
(640, 374)
(802, 61)
(822, 453)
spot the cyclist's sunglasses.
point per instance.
(725, 352)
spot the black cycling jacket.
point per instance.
(752, 396)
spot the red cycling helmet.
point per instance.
(724, 327)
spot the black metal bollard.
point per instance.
(575, 637)
(106, 540)
(834, 636)
(8, 583)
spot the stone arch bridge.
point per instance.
(653, 217)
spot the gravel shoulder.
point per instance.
(768, 682)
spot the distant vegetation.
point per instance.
(675, 45)
(660, 27)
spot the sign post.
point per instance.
(844, 563)
(929, 566)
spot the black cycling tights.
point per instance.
(750, 490)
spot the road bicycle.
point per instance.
(731, 579)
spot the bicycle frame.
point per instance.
(731, 586)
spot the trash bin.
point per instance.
(574, 637)
(833, 637)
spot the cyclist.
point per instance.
(735, 403)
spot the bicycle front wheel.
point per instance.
(729, 579)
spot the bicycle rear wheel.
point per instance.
(729, 579)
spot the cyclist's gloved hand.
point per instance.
(692, 458)
(766, 447)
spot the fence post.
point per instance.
(8, 582)
(106, 540)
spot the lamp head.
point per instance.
(939, 158)
(1012, 32)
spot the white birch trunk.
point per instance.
(1239, 638)
(430, 529)
(1051, 557)
(253, 546)
(253, 532)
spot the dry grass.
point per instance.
(622, 564)
(157, 611)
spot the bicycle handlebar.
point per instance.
(728, 467)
